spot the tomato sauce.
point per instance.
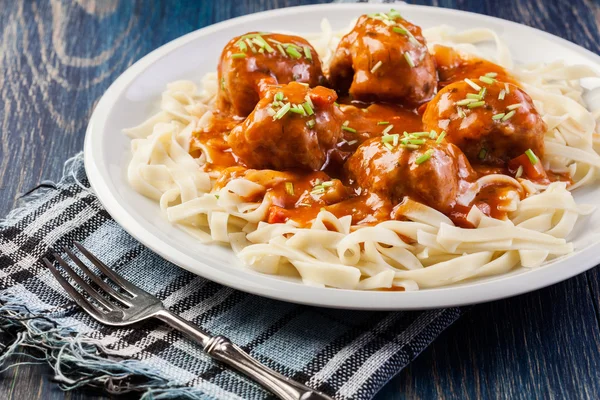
(452, 67)
(299, 195)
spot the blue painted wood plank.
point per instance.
(58, 57)
(540, 345)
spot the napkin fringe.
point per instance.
(76, 359)
(27, 201)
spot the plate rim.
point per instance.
(477, 292)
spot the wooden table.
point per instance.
(58, 57)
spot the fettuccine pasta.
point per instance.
(420, 247)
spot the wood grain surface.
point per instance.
(58, 57)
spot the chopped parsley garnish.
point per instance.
(472, 84)
(511, 110)
(508, 116)
(532, 157)
(391, 139)
(476, 104)
(482, 93)
(416, 141)
(307, 53)
(394, 14)
(282, 111)
(293, 52)
(309, 101)
(387, 18)
(519, 172)
(376, 66)
(321, 187)
(289, 188)
(297, 109)
(308, 108)
(263, 43)
(409, 59)
(253, 41)
(279, 109)
(400, 30)
(487, 79)
(281, 50)
(464, 102)
(424, 157)
(411, 141)
(250, 45)
(441, 137)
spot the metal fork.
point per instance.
(115, 308)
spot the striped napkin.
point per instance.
(346, 354)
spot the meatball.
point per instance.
(363, 121)
(491, 125)
(292, 127)
(384, 58)
(252, 62)
(453, 66)
(431, 173)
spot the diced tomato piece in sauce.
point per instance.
(277, 215)
(532, 171)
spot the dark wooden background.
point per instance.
(57, 58)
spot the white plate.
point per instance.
(134, 96)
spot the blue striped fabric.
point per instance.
(346, 354)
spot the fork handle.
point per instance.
(222, 349)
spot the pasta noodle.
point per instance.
(423, 251)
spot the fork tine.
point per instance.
(116, 278)
(84, 285)
(72, 292)
(103, 285)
